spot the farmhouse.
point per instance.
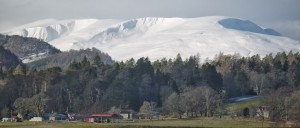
(103, 118)
(54, 116)
(36, 119)
(128, 114)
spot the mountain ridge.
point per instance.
(157, 37)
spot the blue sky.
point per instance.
(281, 15)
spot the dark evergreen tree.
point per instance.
(74, 65)
(211, 77)
(85, 63)
(97, 61)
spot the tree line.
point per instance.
(169, 86)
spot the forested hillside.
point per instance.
(64, 59)
(26, 48)
(173, 86)
(8, 59)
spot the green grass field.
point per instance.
(208, 122)
(233, 107)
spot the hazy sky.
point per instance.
(282, 15)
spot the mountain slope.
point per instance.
(63, 33)
(27, 49)
(164, 37)
(64, 59)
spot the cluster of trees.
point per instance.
(177, 86)
(246, 75)
(276, 78)
(63, 59)
(201, 100)
(283, 104)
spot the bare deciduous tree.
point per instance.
(147, 109)
(114, 110)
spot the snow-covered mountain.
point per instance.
(161, 37)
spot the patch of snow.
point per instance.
(242, 99)
(34, 57)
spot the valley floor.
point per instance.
(208, 122)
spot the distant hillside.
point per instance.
(65, 58)
(27, 49)
(8, 59)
